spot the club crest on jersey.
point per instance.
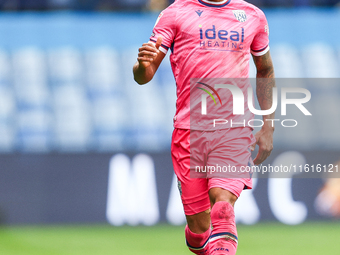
(240, 15)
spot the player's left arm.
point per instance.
(265, 82)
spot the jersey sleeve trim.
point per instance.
(162, 48)
(261, 52)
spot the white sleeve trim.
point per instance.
(161, 48)
(261, 53)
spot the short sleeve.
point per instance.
(260, 44)
(166, 27)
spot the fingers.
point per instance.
(148, 47)
(264, 140)
(144, 59)
(252, 147)
(148, 52)
(260, 157)
(159, 42)
(263, 154)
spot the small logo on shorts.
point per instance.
(240, 15)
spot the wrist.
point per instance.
(268, 127)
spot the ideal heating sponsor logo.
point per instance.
(225, 40)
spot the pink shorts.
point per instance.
(220, 147)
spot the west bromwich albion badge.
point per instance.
(240, 15)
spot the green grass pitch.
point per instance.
(260, 239)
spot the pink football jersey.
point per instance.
(211, 40)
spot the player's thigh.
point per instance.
(229, 150)
(230, 155)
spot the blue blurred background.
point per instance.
(71, 114)
(138, 5)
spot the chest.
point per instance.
(227, 30)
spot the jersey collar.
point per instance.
(214, 4)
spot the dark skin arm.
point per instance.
(264, 83)
(148, 61)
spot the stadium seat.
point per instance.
(66, 66)
(7, 119)
(102, 69)
(110, 122)
(30, 77)
(107, 97)
(7, 106)
(72, 118)
(33, 100)
(72, 111)
(34, 130)
(320, 61)
(287, 61)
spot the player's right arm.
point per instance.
(152, 53)
(148, 60)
